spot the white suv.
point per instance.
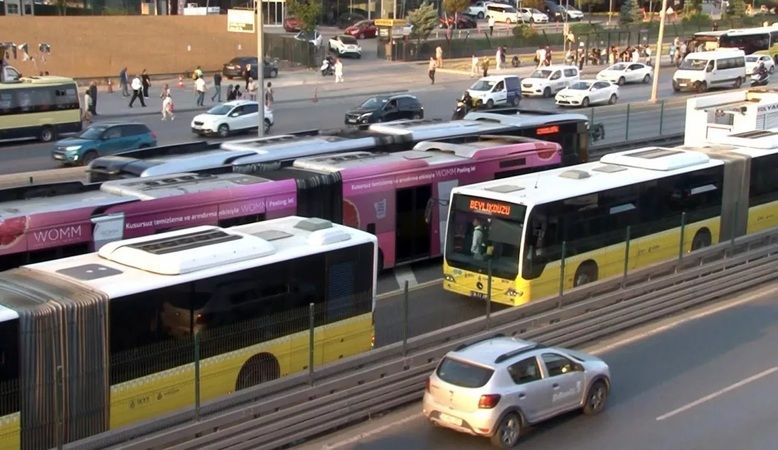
(477, 9)
(549, 80)
(502, 13)
(496, 387)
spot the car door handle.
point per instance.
(555, 385)
(522, 395)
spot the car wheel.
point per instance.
(267, 126)
(701, 86)
(89, 156)
(621, 81)
(273, 73)
(490, 103)
(585, 102)
(223, 130)
(480, 15)
(547, 92)
(676, 88)
(772, 69)
(596, 398)
(506, 435)
(515, 101)
(612, 100)
(646, 78)
(47, 134)
(416, 116)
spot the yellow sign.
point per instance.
(389, 22)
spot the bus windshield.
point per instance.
(693, 64)
(483, 230)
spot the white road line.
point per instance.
(403, 274)
(372, 432)
(718, 393)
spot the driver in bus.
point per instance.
(478, 247)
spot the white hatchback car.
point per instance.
(752, 62)
(230, 117)
(549, 80)
(588, 92)
(532, 15)
(626, 72)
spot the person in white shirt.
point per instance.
(200, 89)
(473, 66)
(478, 246)
(498, 57)
(338, 71)
(167, 108)
(491, 25)
(137, 91)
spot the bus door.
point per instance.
(444, 194)
(412, 230)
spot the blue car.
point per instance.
(100, 139)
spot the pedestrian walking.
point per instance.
(165, 91)
(230, 93)
(124, 82)
(540, 55)
(338, 70)
(247, 76)
(485, 67)
(439, 56)
(491, 25)
(93, 95)
(167, 108)
(86, 114)
(198, 73)
(269, 95)
(200, 89)
(473, 66)
(252, 89)
(581, 56)
(137, 91)
(431, 70)
(548, 56)
(236, 94)
(217, 87)
(146, 80)
(498, 58)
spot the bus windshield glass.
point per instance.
(482, 230)
(693, 64)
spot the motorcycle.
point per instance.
(328, 66)
(460, 111)
(760, 78)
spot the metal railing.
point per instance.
(634, 123)
(287, 410)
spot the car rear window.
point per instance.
(460, 373)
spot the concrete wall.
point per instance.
(99, 46)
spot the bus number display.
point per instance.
(553, 129)
(490, 207)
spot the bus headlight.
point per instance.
(72, 148)
(449, 278)
(512, 292)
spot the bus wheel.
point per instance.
(258, 369)
(586, 273)
(47, 134)
(701, 239)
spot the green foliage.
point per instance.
(690, 9)
(698, 20)
(737, 8)
(524, 32)
(452, 7)
(580, 29)
(630, 12)
(587, 5)
(424, 19)
(307, 11)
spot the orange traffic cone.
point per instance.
(180, 81)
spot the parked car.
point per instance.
(292, 24)
(588, 92)
(362, 29)
(101, 139)
(462, 21)
(231, 117)
(621, 73)
(502, 13)
(312, 37)
(497, 387)
(385, 108)
(561, 13)
(532, 15)
(345, 45)
(549, 80)
(752, 62)
(234, 68)
(347, 19)
(478, 9)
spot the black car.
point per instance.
(384, 108)
(234, 68)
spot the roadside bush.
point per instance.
(580, 29)
(698, 20)
(525, 32)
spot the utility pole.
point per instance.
(658, 59)
(260, 69)
(610, 11)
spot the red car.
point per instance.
(462, 21)
(362, 29)
(291, 24)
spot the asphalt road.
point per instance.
(703, 380)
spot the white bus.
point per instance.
(117, 328)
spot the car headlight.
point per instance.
(72, 148)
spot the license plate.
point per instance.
(682, 84)
(59, 157)
(477, 294)
(450, 419)
(351, 120)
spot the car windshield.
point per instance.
(460, 373)
(535, 11)
(572, 8)
(220, 110)
(618, 67)
(483, 85)
(348, 40)
(752, 58)
(541, 74)
(236, 61)
(581, 85)
(92, 133)
(693, 64)
(373, 103)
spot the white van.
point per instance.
(702, 70)
(549, 80)
(502, 13)
(496, 90)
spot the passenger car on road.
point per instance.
(227, 118)
(345, 45)
(549, 80)
(385, 108)
(532, 15)
(626, 72)
(101, 139)
(362, 29)
(588, 92)
(234, 68)
(752, 62)
(478, 9)
(499, 386)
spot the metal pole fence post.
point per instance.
(734, 225)
(311, 328)
(626, 127)
(683, 230)
(626, 256)
(562, 269)
(661, 117)
(488, 292)
(405, 318)
(197, 375)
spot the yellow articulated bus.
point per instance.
(573, 223)
(39, 107)
(108, 339)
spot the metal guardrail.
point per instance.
(289, 410)
(669, 140)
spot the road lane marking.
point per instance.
(403, 274)
(372, 432)
(718, 393)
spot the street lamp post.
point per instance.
(260, 69)
(610, 11)
(658, 59)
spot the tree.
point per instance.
(423, 20)
(630, 12)
(455, 6)
(737, 8)
(307, 11)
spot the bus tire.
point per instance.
(586, 273)
(701, 240)
(258, 369)
(47, 134)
